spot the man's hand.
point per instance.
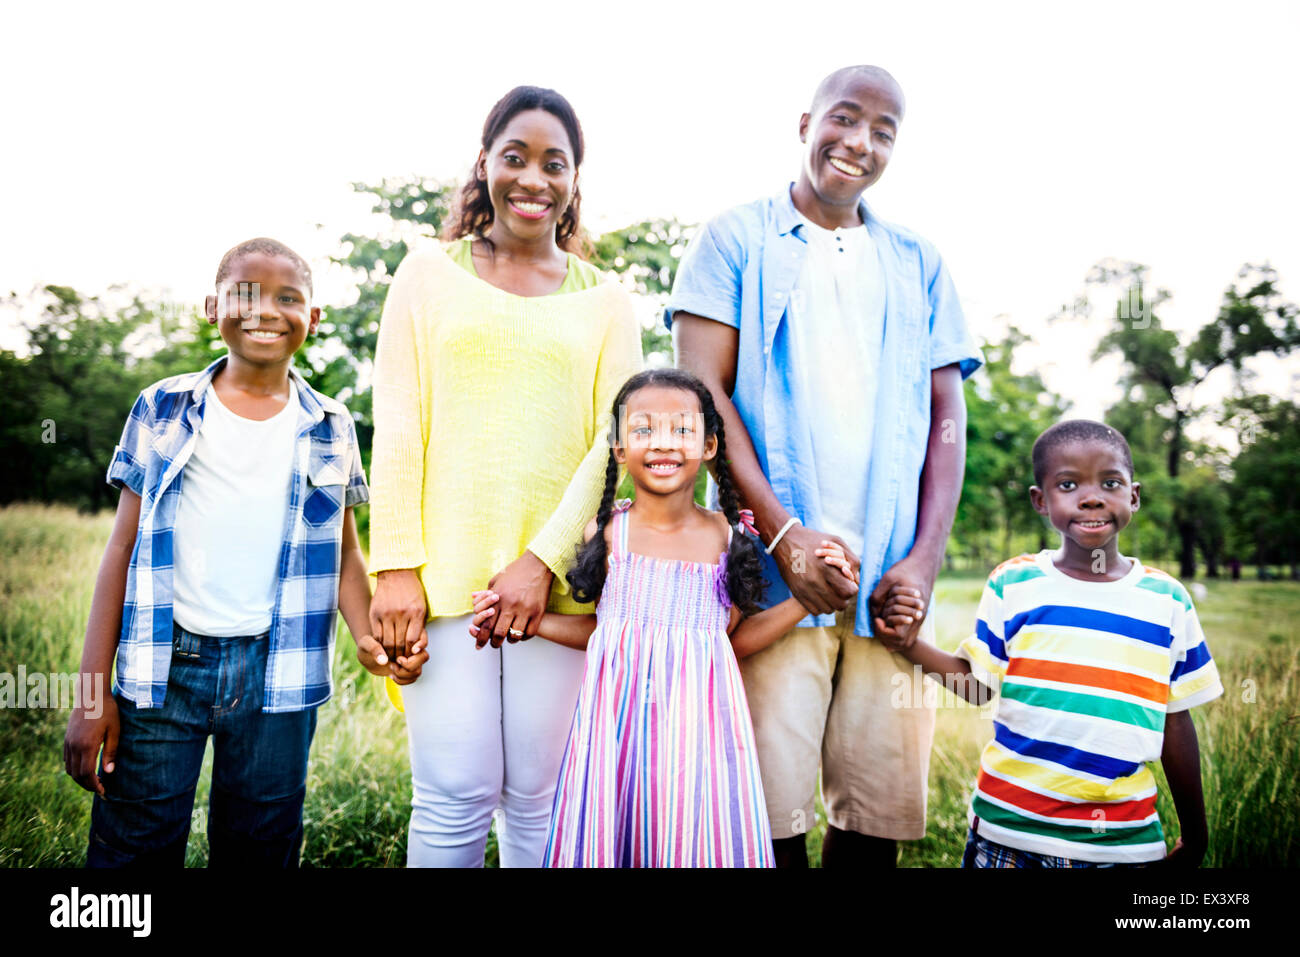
(900, 619)
(819, 586)
(82, 742)
(908, 583)
(523, 587)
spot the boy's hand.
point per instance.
(912, 577)
(372, 656)
(900, 619)
(481, 625)
(82, 742)
(1187, 856)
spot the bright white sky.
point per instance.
(143, 140)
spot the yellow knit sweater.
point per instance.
(491, 416)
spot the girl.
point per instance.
(498, 353)
(660, 767)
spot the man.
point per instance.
(835, 348)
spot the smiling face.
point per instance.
(530, 176)
(263, 309)
(849, 136)
(1088, 495)
(663, 441)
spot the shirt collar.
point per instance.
(315, 406)
(790, 220)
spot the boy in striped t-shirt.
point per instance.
(1097, 660)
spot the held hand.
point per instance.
(833, 554)
(524, 587)
(819, 586)
(406, 669)
(910, 577)
(483, 612)
(82, 742)
(372, 656)
(397, 613)
(900, 621)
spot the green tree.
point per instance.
(1005, 413)
(1162, 375)
(647, 254)
(1263, 500)
(66, 399)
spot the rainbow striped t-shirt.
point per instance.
(1086, 672)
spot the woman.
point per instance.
(496, 355)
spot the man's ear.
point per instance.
(1136, 500)
(210, 308)
(804, 120)
(314, 321)
(1037, 500)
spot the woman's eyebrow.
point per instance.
(553, 149)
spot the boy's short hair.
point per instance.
(268, 247)
(1077, 430)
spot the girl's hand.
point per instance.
(372, 656)
(480, 627)
(524, 587)
(834, 554)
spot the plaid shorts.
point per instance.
(981, 852)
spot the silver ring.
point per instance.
(514, 632)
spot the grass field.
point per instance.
(358, 792)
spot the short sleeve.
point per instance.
(357, 492)
(950, 339)
(1194, 678)
(708, 279)
(986, 649)
(127, 469)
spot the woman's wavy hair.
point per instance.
(472, 213)
(744, 572)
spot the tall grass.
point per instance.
(359, 790)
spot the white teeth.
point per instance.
(663, 468)
(529, 207)
(263, 334)
(844, 167)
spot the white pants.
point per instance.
(487, 730)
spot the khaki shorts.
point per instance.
(825, 695)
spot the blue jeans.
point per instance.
(981, 852)
(259, 770)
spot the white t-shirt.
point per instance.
(231, 519)
(837, 323)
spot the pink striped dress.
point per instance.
(660, 769)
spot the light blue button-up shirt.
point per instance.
(741, 269)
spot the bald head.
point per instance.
(830, 89)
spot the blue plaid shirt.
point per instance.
(327, 477)
(741, 269)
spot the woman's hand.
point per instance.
(481, 626)
(398, 612)
(524, 587)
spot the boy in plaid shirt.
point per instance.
(233, 547)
